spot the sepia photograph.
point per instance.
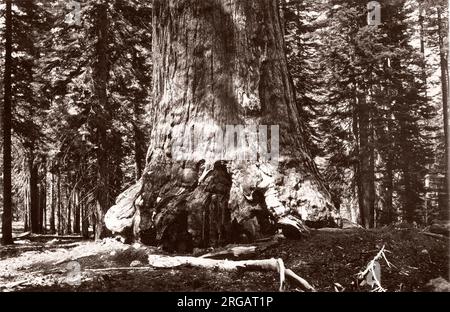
(242, 148)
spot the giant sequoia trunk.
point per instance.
(219, 63)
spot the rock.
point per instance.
(424, 252)
(120, 216)
(347, 224)
(135, 263)
(439, 285)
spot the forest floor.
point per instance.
(329, 260)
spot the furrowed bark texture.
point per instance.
(220, 63)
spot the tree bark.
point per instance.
(101, 70)
(219, 63)
(42, 206)
(43, 198)
(34, 194)
(389, 191)
(69, 197)
(139, 156)
(76, 205)
(52, 203)
(26, 206)
(6, 123)
(366, 172)
(58, 201)
(84, 221)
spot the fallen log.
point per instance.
(54, 236)
(434, 235)
(237, 252)
(21, 235)
(120, 269)
(276, 265)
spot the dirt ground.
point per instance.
(329, 260)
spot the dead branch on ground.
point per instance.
(276, 265)
(371, 269)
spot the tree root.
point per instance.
(277, 265)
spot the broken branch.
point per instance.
(276, 265)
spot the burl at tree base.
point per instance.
(217, 63)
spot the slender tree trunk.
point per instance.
(52, 203)
(408, 205)
(6, 123)
(138, 143)
(69, 201)
(357, 166)
(446, 110)
(34, 194)
(100, 82)
(219, 63)
(58, 201)
(84, 222)
(69, 214)
(26, 206)
(42, 203)
(76, 206)
(424, 79)
(43, 198)
(389, 191)
(367, 205)
(422, 50)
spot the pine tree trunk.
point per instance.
(389, 190)
(446, 113)
(76, 205)
(138, 149)
(52, 203)
(219, 63)
(43, 198)
(84, 221)
(424, 79)
(103, 120)
(58, 201)
(42, 204)
(6, 126)
(69, 204)
(34, 194)
(26, 206)
(366, 170)
(357, 165)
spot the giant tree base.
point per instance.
(185, 205)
